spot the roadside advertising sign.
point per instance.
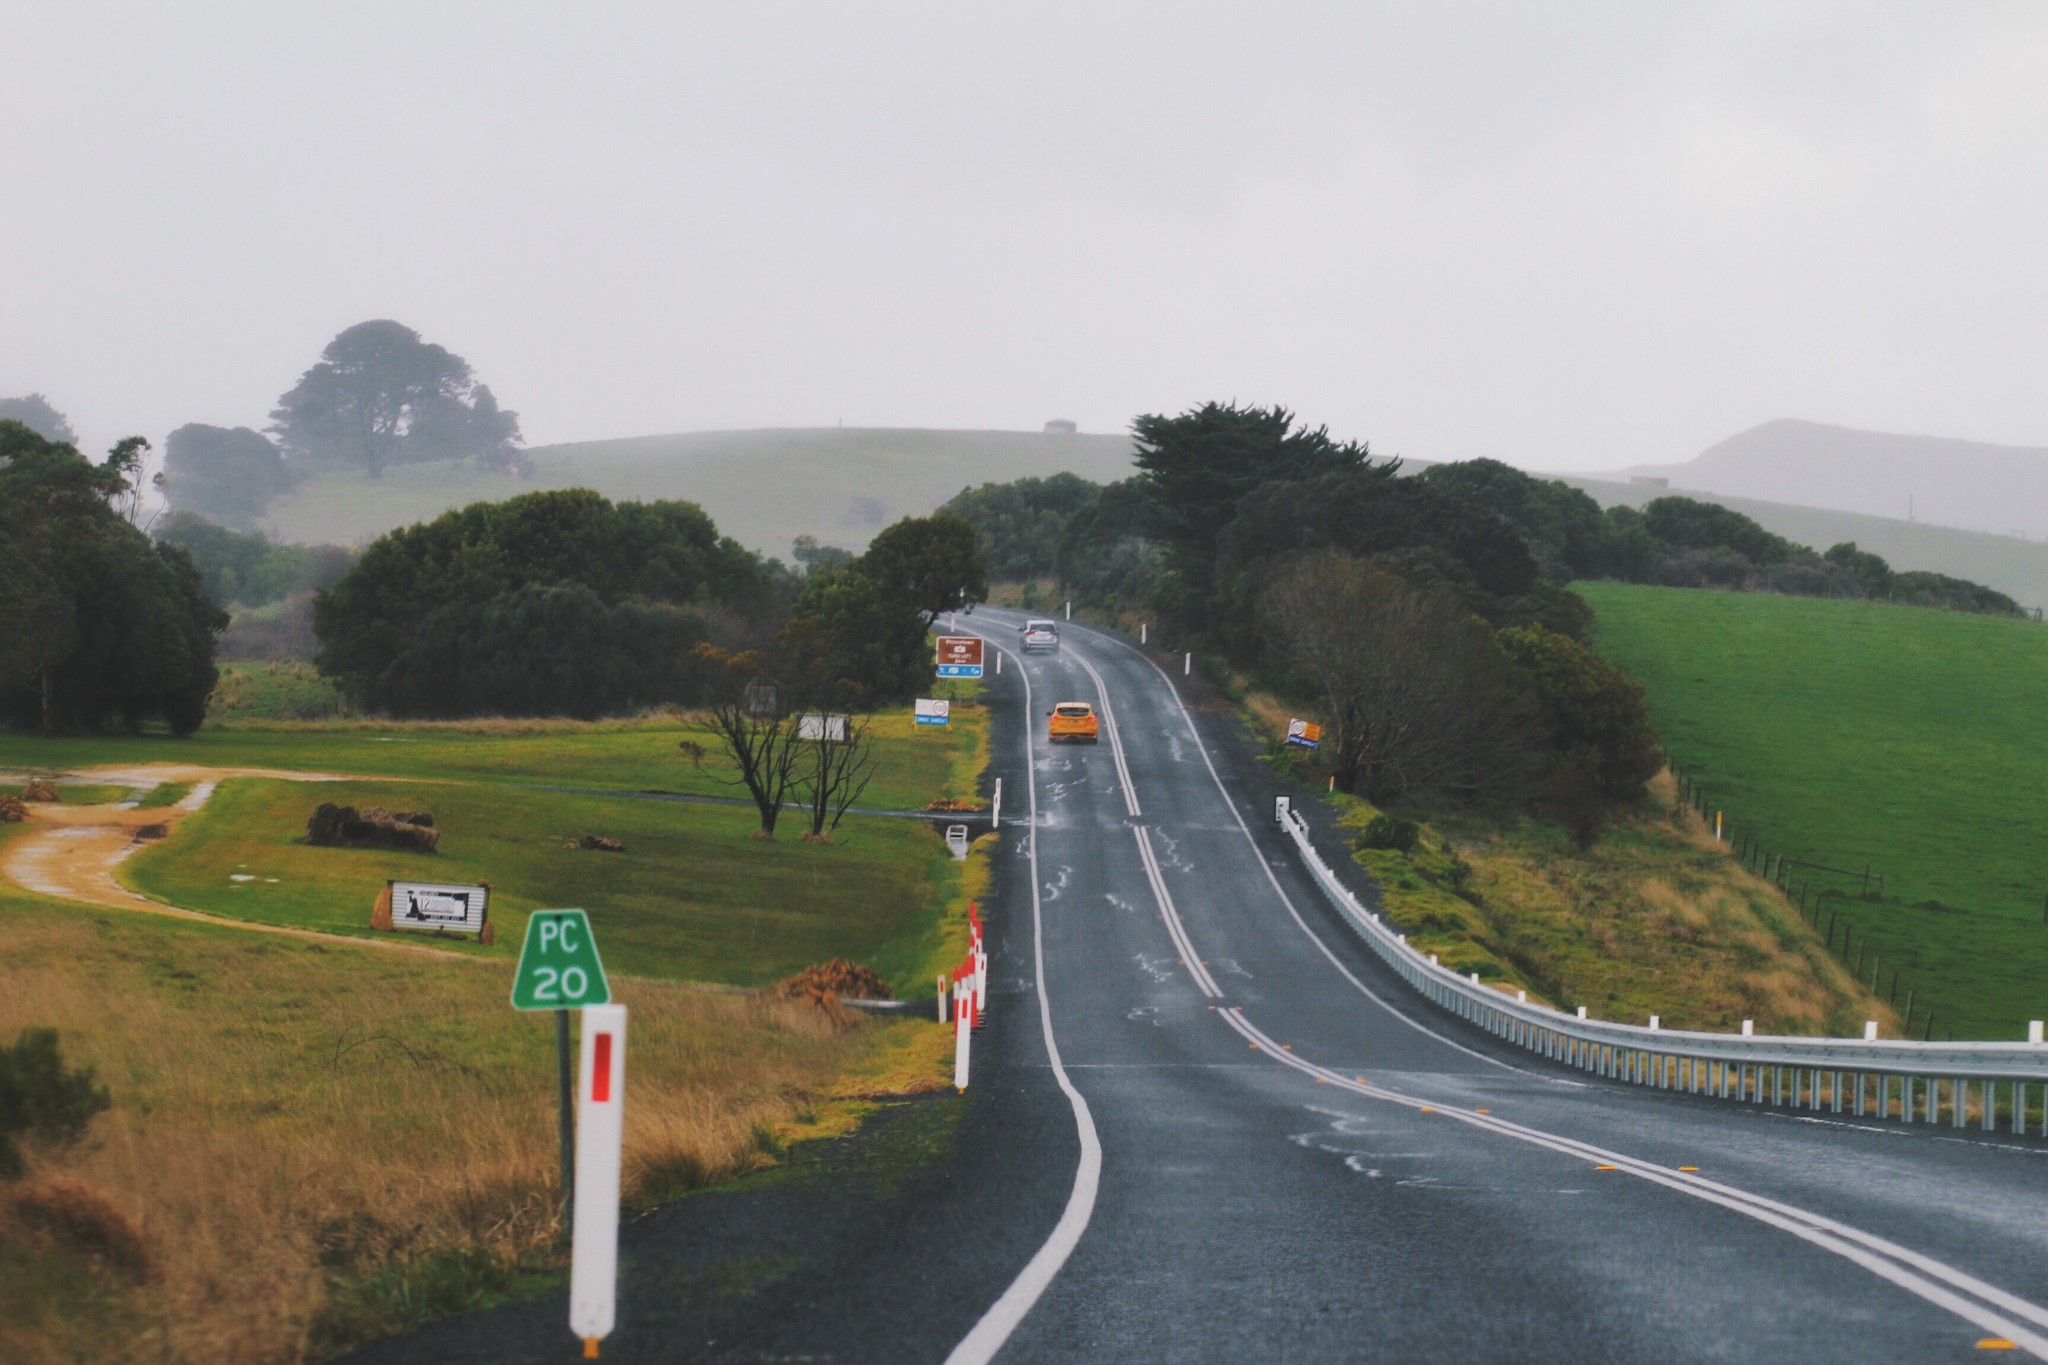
(428, 906)
(558, 964)
(1305, 734)
(959, 656)
(934, 712)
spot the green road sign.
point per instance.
(558, 966)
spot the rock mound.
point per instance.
(824, 982)
(13, 810)
(410, 831)
(599, 843)
(42, 789)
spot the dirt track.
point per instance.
(72, 852)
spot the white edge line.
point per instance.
(1820, 1231)
(989, 1335)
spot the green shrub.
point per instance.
(1390, 832)
(40, 1095)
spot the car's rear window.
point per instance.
(1043, 625)
(1072, 712)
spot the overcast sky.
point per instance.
(1569, 235)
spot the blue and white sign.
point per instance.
(959, 670)
(934, 712)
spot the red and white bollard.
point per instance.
(980, 960)
(963, 1028)
(600, 1126)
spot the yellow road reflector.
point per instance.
(1255, 1047)
(1688, 1168)
(1287, 1047)
(1482, 1111)
(590, 1348)
(1321, 1081)
(1996, 1344)
(1603, 1168)
(1425, 1110)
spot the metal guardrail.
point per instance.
(1871, 1077)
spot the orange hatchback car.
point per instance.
(1073, 721)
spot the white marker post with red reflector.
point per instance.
(600, 1112)
(963, 1025)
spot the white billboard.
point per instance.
(428, 906)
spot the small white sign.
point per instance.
(934, 712)
(831, 729)
(426, 906)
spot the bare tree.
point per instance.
(835, 771)
(755, 729)
(1413, 692)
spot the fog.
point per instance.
(1572, 236)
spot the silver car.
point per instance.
(1041, 635)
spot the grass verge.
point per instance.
(1656, 918)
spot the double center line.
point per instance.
(1176, 930)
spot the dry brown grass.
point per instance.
(288, 1117)
(1656, 918)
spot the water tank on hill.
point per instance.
(1060, 426)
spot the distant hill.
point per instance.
(763, 487)
(1966, 484)
(769, 486)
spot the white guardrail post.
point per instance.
(1931, 1081)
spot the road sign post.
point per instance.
(1304, 734)
(558, 964)
(559, 970)
(601, 1105)
(959, 656)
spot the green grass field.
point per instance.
(916, 765)
(1853, 733)
(763, 488)
(695, 897)
(283, 690)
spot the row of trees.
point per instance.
(1684, 542)
(99, 626)
(562, 603)
(1417, 622)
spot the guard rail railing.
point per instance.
(1998, 1084)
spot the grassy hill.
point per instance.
(764, 488)
(1854, 733)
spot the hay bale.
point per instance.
(12, 810)
(42, 789)
(828, 982)
(333, 826)
(598, 843)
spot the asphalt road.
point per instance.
(1259, 1145)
